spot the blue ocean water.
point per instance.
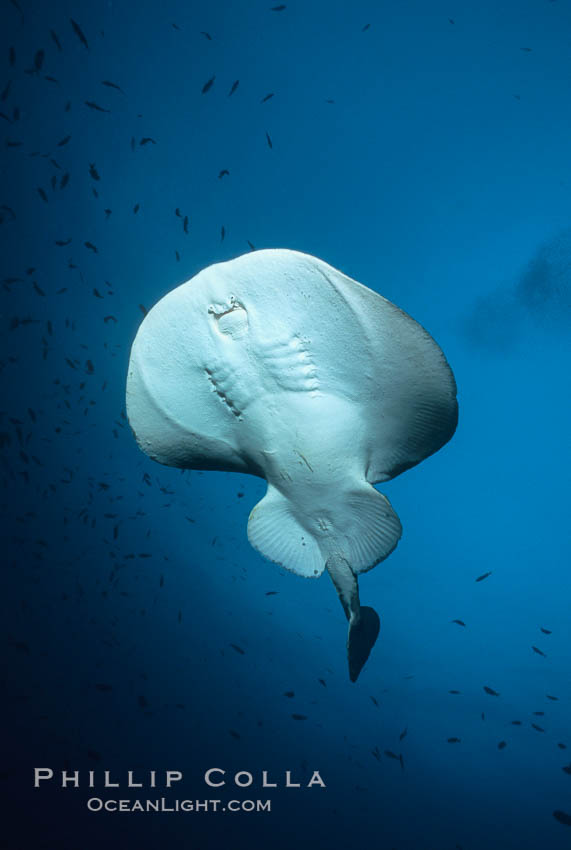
(423, 149)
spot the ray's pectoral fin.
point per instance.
(364, 622)
(277, 534)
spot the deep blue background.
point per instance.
(440, 176)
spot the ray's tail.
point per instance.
(364, 622)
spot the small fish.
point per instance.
(38, 60)
(537, 728)
(111, 85)
(97, 293)
(64, 180)
(185, 224)
(526, 49)
(252, 247)
(55, 40)
(235, 85)
(567, 769)
(110, 319)
(42, 194)
(136, 208)
(502, 745)
(206, 35)
(485, 575)
(93, 171)
(538, 713)
(366, 27)
(562, 746)
(234, 734)
(271, 592)
(539, 652)
(562, 817)
(79, 33)
(491, 691)
(223, 173)
(458, 622)
(91, 247)
(289, 694)
(61, 243)
(545, 631)
(279, 8)
(63, 141)
(6, 90)
(208, 84)
(147, 140)
(454, 692)
(237, 648)
(549, 696)
(454, 741)
(12, 56)
(93, 105)
(267, 97)
(322, 682)
(376, 753)
(107, 213)
(391, 755)
(222, 233)
(374, 701)
(299, 716)
(269, 140)
(403, 733)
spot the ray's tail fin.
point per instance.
(361, 638)
(364, 622)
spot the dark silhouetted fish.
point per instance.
(485, 575)
(545, 631)
(206, 35)
(502, 745)
(147, 140)
(208, 84)
(55, 40)
(299, 716)
(366, 27)
(269, 140)
(93, 171)
(63, 141)
(237, 648)
(223, 173)
(454, 741)
(279, 8)
(267, 97)
(539, 652)
(491, 691)
(289, 694)
(42, 194)
(79, 33)
(93, 105)
(252, 248)
(459, 622)
(235, 85)
(111, 85)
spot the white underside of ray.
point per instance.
(279, 365)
